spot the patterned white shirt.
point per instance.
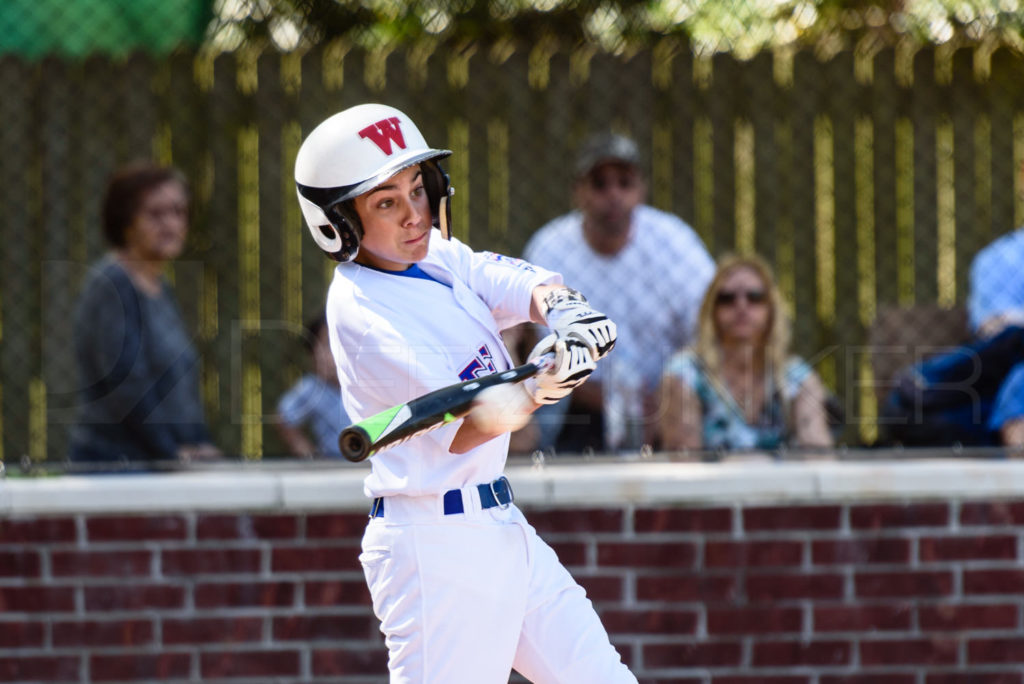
(652, 289)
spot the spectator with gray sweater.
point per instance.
(138, 369)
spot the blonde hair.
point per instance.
(775, 341)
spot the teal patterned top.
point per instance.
(724, 424)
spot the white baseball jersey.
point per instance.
(396, 336)
(652, 288)
(464, 596)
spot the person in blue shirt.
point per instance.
(995, 306)
(971, 395)
(310, 414)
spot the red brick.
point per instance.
(625, 651)
(337, 662)
(860, 551)
(584, 520)
(336, 593)
(650, 621)
(37, 531)
(992, 513)
(602, 587)
(708, 588)
(235, 630)
(967, 548)
(873, 678)
(336, 526)
(248, 527)
(765, 518)
(647, 520)
(135, 528)
(735, 621)
(245, 594)
(101, 563)
(794, 586)
(759, 679)
(995, 651)
(48, 668)
(975, 677)
(191, 562)
(570, 553)
(993, 581)
(863, 618)
(157, 666)
(23, 563)
(646, 555)
(891, 516)
(955, 618)
(902, 584)
(693, 654)
(92, 633)
(21, 634)
(134, 597)
(315, 558)
(320, 627)
(801, 653)
(249, 664)
(36, 599)
(908, 652)
(754, 554)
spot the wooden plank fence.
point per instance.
(867, 179)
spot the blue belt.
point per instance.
(497, 493)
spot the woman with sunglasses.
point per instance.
(737, 387)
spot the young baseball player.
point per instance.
(463, 586)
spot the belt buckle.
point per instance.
(494, 493)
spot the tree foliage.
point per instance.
(740, 26)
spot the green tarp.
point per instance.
(77, 28)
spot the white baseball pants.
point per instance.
(464, 598)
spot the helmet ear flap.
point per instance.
(341, 238)
(439, 192)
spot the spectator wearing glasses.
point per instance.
(139, 398)
(737, 387)
(647, 269)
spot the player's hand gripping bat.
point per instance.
(435, 409)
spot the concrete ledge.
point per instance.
(593, 483)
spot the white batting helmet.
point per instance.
(351, 153)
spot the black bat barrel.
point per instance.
(354, 443)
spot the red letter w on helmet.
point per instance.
(383, 133)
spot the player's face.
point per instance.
(742, 308)
(608, 195)
(160, 226)
(396, 222)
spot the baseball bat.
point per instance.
(435, 409)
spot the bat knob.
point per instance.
(354, 443)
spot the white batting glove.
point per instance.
(572, 365)
(569, 315)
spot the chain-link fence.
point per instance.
(869, 180)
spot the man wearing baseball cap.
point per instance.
(646, 268)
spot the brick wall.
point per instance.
(877, 589)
